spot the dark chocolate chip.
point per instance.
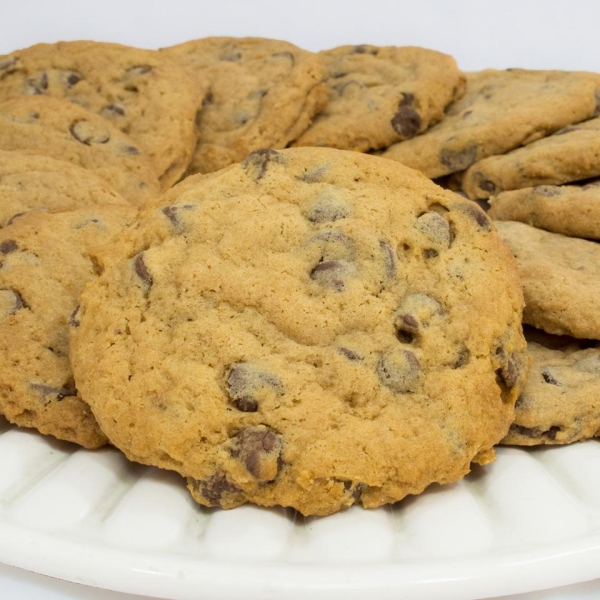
(414, 314)
(390, 259)
(406, 122)
(436, 228)
(111, 110)
(473, 211)
(8, 246)
(458, 160)
(462, 359)
(430, 253)
(510, 371)
(364, 49)
(549, 377)
(484, 184)
(87, 133)
(132, 150)
(208, 99)
(257, 162)
(259, 449)
(14, 217)
(349, 354)
(399, 371)
(73, 79)
(48, 390)
(408, 99)
(327, 210)
(332, 273)
(214, 488)
(141, 270)
(248, 385)
(10, 302)
(74, 318)
(355, 489)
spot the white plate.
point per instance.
(529, 521)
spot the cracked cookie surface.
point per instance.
(380, 95)
(312, 328)
(500, 110)
(65, 131)
(44, 264)
(144, 94)
(258, 93)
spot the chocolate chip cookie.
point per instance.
(561, 279)
(33, 182)
(381, 95)
(65, 131)
(259, 93)
(500, 110)
(145, 94)
(560, 403)
(44, 264)
(312, 328)
(571, 154)
(568, 209)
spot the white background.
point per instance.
(558, 34)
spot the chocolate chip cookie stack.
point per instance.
(311, 327)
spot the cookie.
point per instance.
(33, 182)
(312, 328)
(561, 279)
(560, 402)
(571, 154)
(145, 94)
(381, 95)
(65, 131)
(568, 209)
(44, 264)
(500, 110)
(260, 93)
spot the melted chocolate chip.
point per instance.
(259, 449)
(257, 162)
(473, 211)
(47, 390)
(436, 228)
(364, 49)
(74, 318)
(349, 354)
(462, 359)
(549, 377)
(10, 302)
(208, 99)
(112, 110)
(399, 371)
(327, 210)
(406, 122)
(87, 133)
(458, 160)
(390, 259)
(534, 432)
(484, 184)
(8, 64)
(141, 270)
(430, 253)
(332, 273)
(214, 488)
(414, 314)
(510, 371)
(8, 246)
(248, 385)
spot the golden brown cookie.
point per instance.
(144, 93)
(259, 93)
(65, 131)
(44, 264)
(500, 110)
(380, 95)
(312, 328)
(34, 182)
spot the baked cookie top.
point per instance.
(561, 279)
(143, 93)
(571, 154)
(381, 95)
(500, 110)
(65, 131)
(33, 182)
(311, 328)
(260, 93)
(568, 209)
(44, 264)
(560, 403)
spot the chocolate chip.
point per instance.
(332, 273)
(458, 160)
(74, 318)
(208, 99)
(141, 270)
(390, 259)
(231, 54)
(512, 366)
(259, 449)
(473, 211)
(406, 122)
(59, 392)
(466, 114)
(549, 377)
(436, 228)
(214, 488)
(355, 489)
(112, 110)
(14, 218)
(464, 354)
(484, 184)
(139, 70)
(414, 314)
(38, 85)
(326, 210)
(89, 133)
(349, 354)
(8, 64)
(364, 49)
(597, 111)
(248, 385)
(8, 246)
(257, 162)
(73, 79)
(400, 371)
(10, 302)
(534, 432)
(430, 253)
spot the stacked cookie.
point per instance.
(310, 327)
